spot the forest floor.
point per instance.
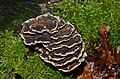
(86, 15)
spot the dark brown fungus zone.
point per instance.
(62, 45)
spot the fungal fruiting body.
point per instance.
(60, 43)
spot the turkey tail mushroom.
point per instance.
(62, 45)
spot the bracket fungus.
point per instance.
(59, 42)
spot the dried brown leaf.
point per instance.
(117, 55)
(104, 57)
(107, 58)
(88, 71)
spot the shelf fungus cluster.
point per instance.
(60, 43)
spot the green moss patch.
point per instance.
(89, 15)
(12, 60)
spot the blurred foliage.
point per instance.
(12, 60)
(89, 15)
(14, 12)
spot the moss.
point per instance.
(89, 15)
(12, 60)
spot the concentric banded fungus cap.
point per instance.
(62, 45)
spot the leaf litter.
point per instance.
(104, 61)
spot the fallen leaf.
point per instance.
(117, 55)
(88, 71)
(104, 57)
(107, 58)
